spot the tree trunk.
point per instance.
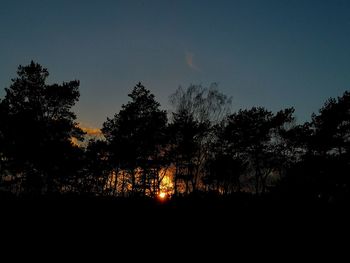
(115, 187)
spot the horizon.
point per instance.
(274, 54)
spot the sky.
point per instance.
(271, 53)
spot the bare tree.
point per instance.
(196, 110)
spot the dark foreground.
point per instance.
(180, 223)
(206, 206)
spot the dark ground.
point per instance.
(229, 227)
(209, 208)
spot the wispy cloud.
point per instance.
(91, 131)
(190, 61)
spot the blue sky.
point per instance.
(262, 53)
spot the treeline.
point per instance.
(200, 147)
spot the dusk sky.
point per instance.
(262, 53)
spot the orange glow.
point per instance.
(119, 183)
(74, 141)
(166, 185)
(93, 132)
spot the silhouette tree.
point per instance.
(252, 135)
(203, 104)
(225, 164)
(3, 121)
(211, 150)
(97, 170)
(331, 127)
(38, 127)
(321, 172)
(136, 138)
(186, 136)
(196, 111)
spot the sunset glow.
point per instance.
(166, 185)
(162, 195)
(157, 115)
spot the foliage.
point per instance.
(204, 148)
(38, 125)
(136, 136)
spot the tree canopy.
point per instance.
(203, 148)
(38, 125)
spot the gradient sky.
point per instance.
(262, 53)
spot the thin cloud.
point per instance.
(190, 61)
(92, 131)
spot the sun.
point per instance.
(162, 195)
